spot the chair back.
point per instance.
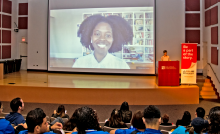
(52, 119)
(2, 117)
(48, 119)
(167, 128)
(13, 125)
(128, 124)
(102, 124)
(65, 120)
(165, 132)
(4, 114)
(108, 129)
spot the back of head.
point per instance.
(15, 103)
(124, 106)
(71, 123)
(200, 112)
(214, 118)
(35, 118)
(152, 115)
(61, 110)
(116, 119)
(165, 118)
(137, 120)
(186, 117)
(86, 118)
(164, 51)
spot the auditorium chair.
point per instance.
(3, 114)
(102, 124)
(52, 119)
(65, 120)
(48, 119)
(17, 64)
(128, 124)
(13, 125)
(167, 128)
(165, 132)
(68, 131)
(24, 116)
(2, 117)
(11, 65)
(5, 66)
(108, 129)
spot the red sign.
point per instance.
(189, 55)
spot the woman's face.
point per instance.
(102, 38)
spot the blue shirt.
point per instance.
(93, 132)
(6, 127)
(150, 131)
(181, 130)
(15, 118)
(26, 132)
(126, 131)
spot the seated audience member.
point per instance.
(5, 126)
(126, 114)
(185, 121)
(184, 130)
(115, 121)
(136, 125)
(37, 123)
(199, 123)
(70, 125)
(214, 120)
(60, 112)
(152, 120)
(165, 120)
(87, 122)
(15, 117)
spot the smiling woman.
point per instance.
(104, 35)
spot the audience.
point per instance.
(37, 123)
(152, 120)
(166, 120)
(115, 121)
(214, 120)
(136, 122)
(5, 126)
(15, 117)
(126, 114)
(87, 122)
(199, 123)
(60, 112)
(185, 121)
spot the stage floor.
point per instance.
(44, 87)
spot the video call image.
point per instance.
(103, 38)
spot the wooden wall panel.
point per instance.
(214, 55)
(0, 51)
(7, 6)
(23, 22)
(208, 18)
(214, 15)
(207, 3)
(6, 51)
(0, 20)
(192, 5)
(192, 20)
(23, 9)
(214, 35)
(198, 53)
(6, 21)
(193, 36)
(6, 36)
(213, 2)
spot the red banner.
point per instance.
(189, 63)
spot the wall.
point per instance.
(37, 34)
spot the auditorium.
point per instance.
(100, 66)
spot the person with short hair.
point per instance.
(15, 117)
(87, 122)
(199, 123)
(136, 125)
(166, 120)
(126, 113)
(115, 121)
(5, 126)
(165, 57)
(37, 123)
(152, 120)
(103, 36)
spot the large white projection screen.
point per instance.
(108, 36)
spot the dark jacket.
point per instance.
(126, 116)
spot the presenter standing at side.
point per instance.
(165, 57)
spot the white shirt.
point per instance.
(109, 61)
(165, 58)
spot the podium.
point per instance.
(168, 73)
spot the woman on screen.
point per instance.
(103, 35)
(165, 57)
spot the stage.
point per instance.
(88, 89)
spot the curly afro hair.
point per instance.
(121, 30)
(86, 118)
